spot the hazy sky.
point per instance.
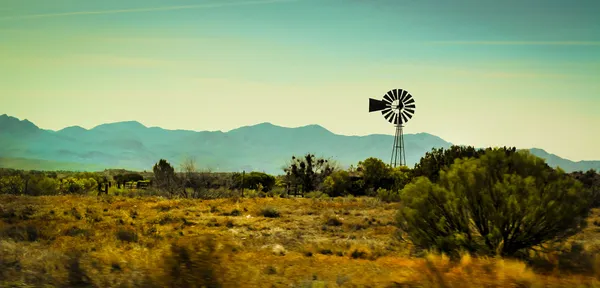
(483, 72)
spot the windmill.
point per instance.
(397, 107)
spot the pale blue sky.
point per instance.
(483, 73)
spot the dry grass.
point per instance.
(70, 241)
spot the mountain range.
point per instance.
(262, 147)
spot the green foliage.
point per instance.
(376, 174)
(503, 202)
(374, 171)
(388, 195)
(591, 181)
(400, 177)
(270, 212)
(164, 176)
(434, 161)
(128, 177)
(252, 180)
(309, 172)
(76, 186)
(337, 184)
(43, 186)
(12, 185)
(316, 195)
(193, 263)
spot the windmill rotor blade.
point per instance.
(390, 95)
(407, 98)
(387, 114)
(410, 106)
(407, 114)
(396, 94)
(410, 101)
(404, 93)
(385, 111)
(408, 110)
(387, 98)
(376, 105)
(405, 119)
(390, 118)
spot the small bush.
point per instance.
(316, 195)
(388, 196)
(193, 262)
(270, 212)
(359, 254)
(334, 221)
(127, 236)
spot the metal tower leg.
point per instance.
(398, 154)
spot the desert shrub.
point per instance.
(376, 174)
(44, 186)
(251, 193)
(437, 159)
(388, 195)
(316, 195)
(254, 180)
(500, 203)
(337, 184)
(12, 185)
(270, 212)
(276, 192)
(591, 181)
(193, 262)
(334, 221)
(127, 235)
(71, 186)
(308, 172)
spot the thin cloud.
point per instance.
(519, 43)
(151, 9)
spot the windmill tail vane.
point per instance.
(397, 107)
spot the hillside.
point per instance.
(263, 147)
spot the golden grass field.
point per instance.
(85, 241)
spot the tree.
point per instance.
(72, 186)
(12, 185)
(43, 185)
(434, 161)
(308, 172)
(400, 177)
(374, 173)
(337, 184)
(189, 177)
(252, 180)
(164, 176)
(591, 181)
(121, 179)
(503, 202)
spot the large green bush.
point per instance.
(502, 202)
(376, 174)
(337, 184)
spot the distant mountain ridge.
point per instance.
(262, 147)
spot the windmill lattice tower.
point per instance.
(397, 107)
